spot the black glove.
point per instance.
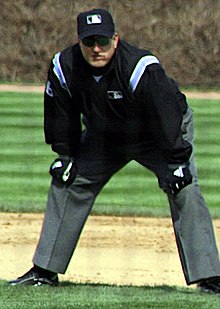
(177, 178)
(64, 170)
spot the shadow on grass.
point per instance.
(164, 288)
(147, 288)
(69, 284)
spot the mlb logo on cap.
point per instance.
(94, 19)
(95, 22)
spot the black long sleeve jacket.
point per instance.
(133, 102)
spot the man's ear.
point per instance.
(116, 40)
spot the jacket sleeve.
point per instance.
(167, 106)
(62, 125)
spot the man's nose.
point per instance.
(96, 48)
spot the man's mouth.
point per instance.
(98, 57)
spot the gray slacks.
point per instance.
(69, 207)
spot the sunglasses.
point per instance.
(101, 41)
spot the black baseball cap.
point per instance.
(95, 22)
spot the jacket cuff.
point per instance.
(63, 149)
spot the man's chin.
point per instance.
(98, 63)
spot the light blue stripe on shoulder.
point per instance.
(59, 73)
(139, 70)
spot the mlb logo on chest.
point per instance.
(94, 19)
(114, 94)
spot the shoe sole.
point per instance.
(34, 282)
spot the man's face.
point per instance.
(99, 51)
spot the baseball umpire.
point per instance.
(131, 111)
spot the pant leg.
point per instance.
(191, 219)
(194, 235)
(68, 208)
(193, 224)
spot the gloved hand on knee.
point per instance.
(64, 170)
(178, 177)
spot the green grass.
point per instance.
(25, 160)
(94, 296)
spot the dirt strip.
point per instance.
(215, 95)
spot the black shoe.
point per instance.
(211, 285)
(35, 277)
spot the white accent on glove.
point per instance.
(66, 173)
(179, 172)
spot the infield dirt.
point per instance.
(215, 95)
(112, 250)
